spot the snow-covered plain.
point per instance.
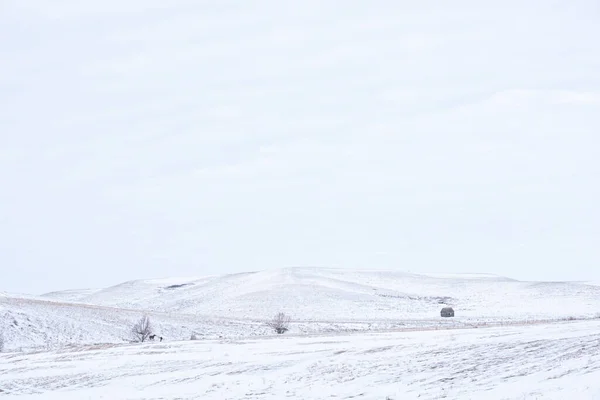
(364, 334)
(558, 361)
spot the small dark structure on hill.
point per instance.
(447, 312)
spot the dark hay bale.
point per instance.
(447, 312)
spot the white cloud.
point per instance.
(256, 135)
(532, 98)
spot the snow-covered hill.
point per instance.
(29, 323)
(318, 300)
(314, 294)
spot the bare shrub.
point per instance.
(1, 342)
(280, 323)
(142, 330)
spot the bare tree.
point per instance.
(280, 323)
(142, 329)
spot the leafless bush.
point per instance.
(280, 323)
(142, 329)
(1, 342)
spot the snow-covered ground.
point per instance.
(318, 300)
(557, 361)
(355, 334)
(30, 324)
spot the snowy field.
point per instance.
(354, 334)
(556, 361)
(318, 300)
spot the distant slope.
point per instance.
(315, 294)
(29, 323)
(74, 295)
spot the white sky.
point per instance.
(155, 138)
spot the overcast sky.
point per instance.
(147, 138)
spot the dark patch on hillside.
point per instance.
(178, 286)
